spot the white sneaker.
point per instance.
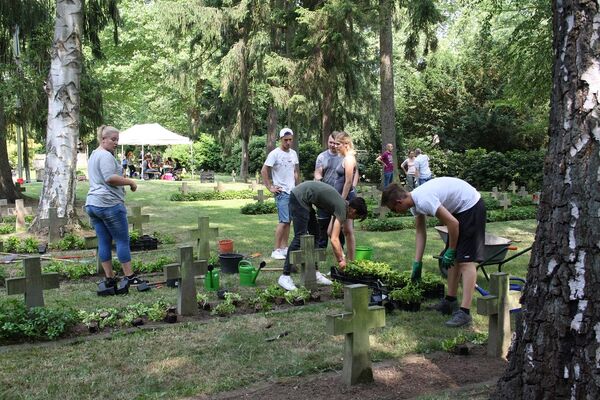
(322, 280)
(286, 282)
(284, 251)
(276, 254)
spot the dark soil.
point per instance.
(405, 378)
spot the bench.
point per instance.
(207, 176)
(151, 175)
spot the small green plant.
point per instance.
(267, 207)
(134, 235)
(273, 291)
(410, 293)
(29, 245)
(202, 298)
(233, 298)
(450, 344)
(11, 245)
(299, 295)
(260, 303)
(337, 290)
(70, 242)
(7, 228)
(223, 309)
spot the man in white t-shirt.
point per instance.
(460, 208)
(422, 171)
(282, 165)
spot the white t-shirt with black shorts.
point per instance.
(464, 202)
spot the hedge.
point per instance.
(227, 195)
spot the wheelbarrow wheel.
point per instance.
(443, 269)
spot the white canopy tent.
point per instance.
(152, 135)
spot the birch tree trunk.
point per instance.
(63, 113)
(556, 351)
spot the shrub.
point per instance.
(267, 207)
(70, 270)
(7, 228)
(228, 195)
(410, 293)
(308, 152)
(17, 323)
(70, 242)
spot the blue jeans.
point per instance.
(110, 223)
(387, 178)
(282, 200)
(423, 180)
(305, 223)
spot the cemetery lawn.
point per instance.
(209, 356)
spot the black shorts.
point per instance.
(471, 233)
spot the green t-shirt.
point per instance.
(322, 196)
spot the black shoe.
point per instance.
(446, 307)
(122, 286)
(134, 280)
(107, 287)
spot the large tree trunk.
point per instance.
(556, 351)
(326, 114)
(7, 187)
(272, 128)
(386, 75)
(245, 113)
(63, 113)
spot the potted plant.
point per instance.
(407, 298)
(432, 285)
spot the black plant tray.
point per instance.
(372, 282)
(144, 242)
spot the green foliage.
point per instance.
(512, 214)
(7, 228)
(298, 295)
(206, 152)
(69, 242)
(337, 290)
(70, 270)
(113, 317)
(410, 293)
(393, 224)
(17, 323)
(214, 195)
(202, 298)
(15, 245)
(308, 152)
(257, 155)
(148, 267)
(134, 235)
(273, 291)
(227, 307)
(450, 344)
(267, 207)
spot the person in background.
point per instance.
(386, 159)
(322, 196)
(148, 170)
(131, 164)
(460, 208)
(325, 171)
(408, 166)
(105, 204)
(282, 164)
(347, 176)
(422, 171)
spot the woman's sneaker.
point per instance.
(134, 280)
(286, 282)
(277, 254)
(321, 280)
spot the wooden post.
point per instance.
(496, 307)
(184, 189)
(53, 223)
(136, 219)
(201, 237)
(33, 284)
(355, 324)
(307, 257)
(20, 211)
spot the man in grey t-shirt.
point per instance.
(325, 167)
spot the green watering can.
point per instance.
(211, 279)
(248, 273)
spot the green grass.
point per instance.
(195, 358)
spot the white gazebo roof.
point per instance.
(151, 134)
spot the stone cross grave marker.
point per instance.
(513, 187)
(136, 219)
(253, 185)
(523, 192)
(260, 197)
(3, 207)
(382, 211)
(33, 284)
(20, 211)
(186, 271)
(495, 194)
(496, 307)
(53, 223)
(219, 188)
(201, 237)
(355, 324)
(184, 189)
(306, 258)
(505, 202)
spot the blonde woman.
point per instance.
(346, 180)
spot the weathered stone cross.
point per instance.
(355, 324)
(136, 219)
(184, 189)
(186, 270)
(306, 258)
(495, 193)
(53, 223)
(505, 202)
(33, 284)
(496, 306)
(513, 187)
(523, 192)
(382, 211)
(260, 197)
(20, 211)
(201, 238)
(253, 185)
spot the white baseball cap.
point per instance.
(286, 131)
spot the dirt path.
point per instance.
(398, 379)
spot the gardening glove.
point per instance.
(448, 258)
(416, 271)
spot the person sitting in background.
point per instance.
(148, 170)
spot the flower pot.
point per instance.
(229, 262)
(363, 253)
(225, 246)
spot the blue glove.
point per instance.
(448, 258)
(416, 271)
